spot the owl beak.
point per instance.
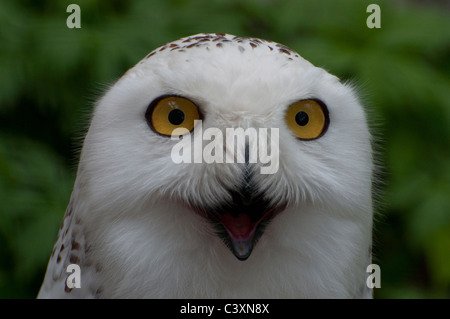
(241, 221)
(242, 248)
(243, 232)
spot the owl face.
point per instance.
(323, 145)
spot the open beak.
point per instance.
(241, 222)
(243, 232)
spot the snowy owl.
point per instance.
(143, 224)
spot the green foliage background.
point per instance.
(50, 77)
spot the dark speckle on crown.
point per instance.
(220, 40)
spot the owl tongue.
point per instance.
(241, 230)
(240, 227)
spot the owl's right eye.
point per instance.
(172, 115)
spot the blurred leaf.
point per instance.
(34, 191)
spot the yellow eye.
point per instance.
(307, 119)
(170, 113)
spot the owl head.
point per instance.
(183, 99)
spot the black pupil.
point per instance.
(176, 117)
(302, 118)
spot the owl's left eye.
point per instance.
(172, 115)
(307, 119)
